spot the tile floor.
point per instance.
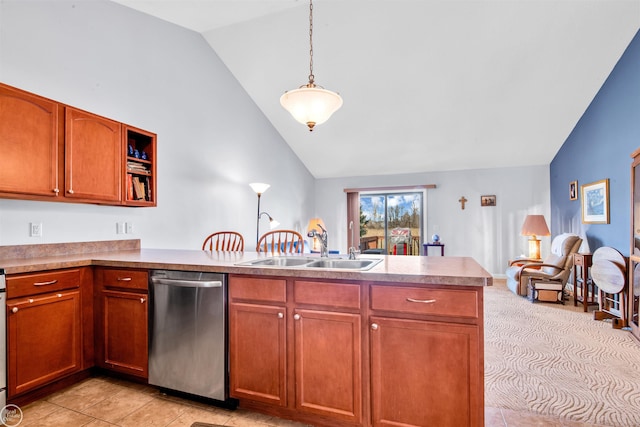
(104, 401)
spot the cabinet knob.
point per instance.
(142, 300)
(374, 326)
(70, 191)
(14, 310)
(280, 315)
(56, 190)
(296, 316)
(59, 295)
(30, 300)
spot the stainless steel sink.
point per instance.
(282, 261)
(313, 262)
(352, 264)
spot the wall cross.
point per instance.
(462, 201)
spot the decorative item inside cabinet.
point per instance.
(140, 182)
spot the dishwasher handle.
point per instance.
(187, 283)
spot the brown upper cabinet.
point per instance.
(29, 143)
(93, 157)
(51, 151)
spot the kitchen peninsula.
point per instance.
(400, 343)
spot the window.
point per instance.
(392, 222)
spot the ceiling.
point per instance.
(427, 85)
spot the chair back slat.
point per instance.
(281, 241)
(224, 241)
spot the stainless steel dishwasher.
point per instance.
(188, 333)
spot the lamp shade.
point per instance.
(535, 225)
(311, 105)
(259, 187)
(313, 224)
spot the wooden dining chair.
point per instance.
(281, 241)
(224, 241)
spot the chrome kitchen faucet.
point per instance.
(324, 252)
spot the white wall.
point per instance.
(212, 139)
(491, 235)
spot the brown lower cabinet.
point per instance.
(122, 305)
(412, 362)
(44, 339)
(304, 358)
(335, 353)
(329, 353)
(45, 328)
(258, 353)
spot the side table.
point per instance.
(426, 247)
(583, 281)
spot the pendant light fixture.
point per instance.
(311, 104)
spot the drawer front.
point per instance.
(39, 283)
(438, 302)
(125, 278)
(258, 289)
(341, 295)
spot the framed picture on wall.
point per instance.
(573, 190)
(595, 202)
(487, 200)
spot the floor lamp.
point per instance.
(260, 188)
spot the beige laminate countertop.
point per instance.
(462, 271)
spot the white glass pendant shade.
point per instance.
(311, 105)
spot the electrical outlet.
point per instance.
(119, 227)
(128, 227)
(35, 229)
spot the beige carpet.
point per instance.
(556, 360)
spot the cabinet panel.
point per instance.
(124, 332)
(328, 361)
(436, 361)
(258, 289)
(43, 340)
(334, 295)
(426, 301)
(28, 143)
(125, 278)
(93, 157)
(42, 282)
(257, 352)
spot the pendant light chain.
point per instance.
(311, 76)
(310, 104)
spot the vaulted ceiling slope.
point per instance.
(427, 85)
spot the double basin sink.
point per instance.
(314, 262)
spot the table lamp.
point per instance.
(535, 225)
(313, 225)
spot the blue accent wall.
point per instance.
(599, 147)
